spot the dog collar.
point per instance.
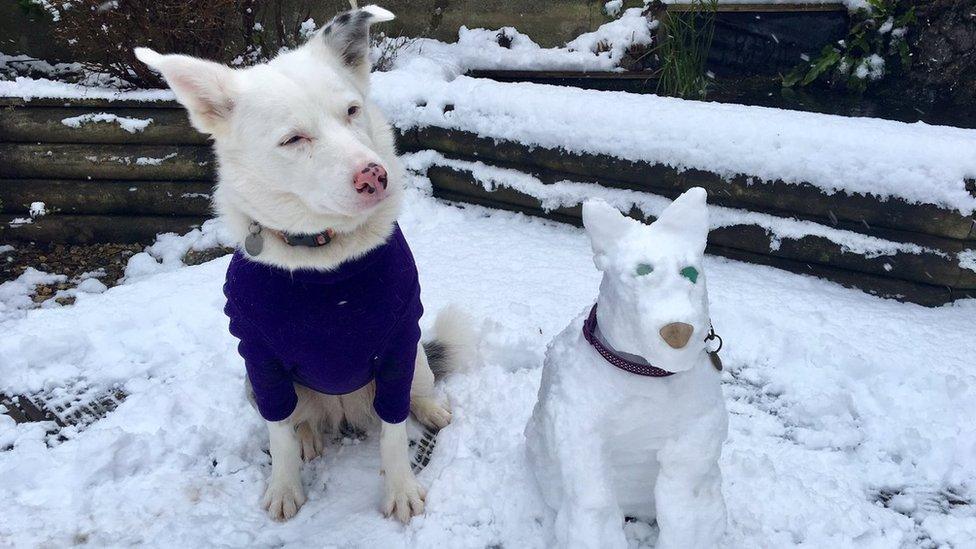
(608, 354)
(254, 243)
(640, 368)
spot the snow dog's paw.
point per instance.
(430, 413)
(404, 496)
(283, 500)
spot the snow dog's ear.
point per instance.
(347, 36)
(205, 88)
(686, 219)
(606, 226)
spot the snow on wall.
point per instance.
(570, 193)
(131, 125)
(916, 162)
(42, 88)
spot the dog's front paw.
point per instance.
(404, 496)
(430, 413)
(282, 500)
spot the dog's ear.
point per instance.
(347, 36)
(686, 219)
(205, 88)
(606, 226)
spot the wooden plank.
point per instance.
(88, 229)
(741, 191)
(70, 196)
(765, 8)
(926, 268)
(45, 125)
(88, 102)
(102, 161)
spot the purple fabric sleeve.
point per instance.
(395, 374)
(274, 391)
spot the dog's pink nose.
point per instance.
(371, 179)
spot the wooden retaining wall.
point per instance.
(932, 275)
(99, 182)
(102, 183)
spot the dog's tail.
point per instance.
(453, 344)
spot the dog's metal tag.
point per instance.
(254, 242)
(716, 360)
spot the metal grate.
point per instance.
(73, 405)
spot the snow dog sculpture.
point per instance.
(630, 419)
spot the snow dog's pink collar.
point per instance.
(645, 369)
(640, 368)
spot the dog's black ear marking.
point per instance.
(348, 34)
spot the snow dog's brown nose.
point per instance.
(677, 334)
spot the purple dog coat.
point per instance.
(331, 331)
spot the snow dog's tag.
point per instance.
(716, 360)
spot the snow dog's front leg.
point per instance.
(690, 508)
(567, 454)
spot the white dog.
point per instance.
(326, 296)
(630, 419)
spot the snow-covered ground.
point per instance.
(839, 401)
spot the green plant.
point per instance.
(685, 39)
(877, 37)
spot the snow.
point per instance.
(307, 28)
(478, 49)
(42, 88)
(150, 161)
(613, 7)
(37, 209)
(6, 248)
(967, 259)
(167, 252)
(15, 295)
(630, 29)
(131, 125)
(915, 162)
(91, 286)
(564, 194)
(835, 398)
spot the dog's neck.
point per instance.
(343, 247)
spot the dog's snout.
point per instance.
(677, 334)
(371, 179)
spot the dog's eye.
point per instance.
(353, 111)
(644, 269)
(297, 138)
(690, 273)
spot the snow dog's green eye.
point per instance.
(690, 273)
(644, 269)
